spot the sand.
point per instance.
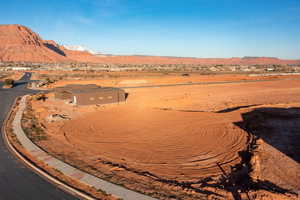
(165, 137)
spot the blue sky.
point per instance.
(193, 28)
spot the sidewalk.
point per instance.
(66, 169)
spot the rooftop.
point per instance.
(79, 89)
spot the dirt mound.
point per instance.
(18, 43)
(186, 142)
(277, 156)
(159, 143)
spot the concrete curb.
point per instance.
(36, 169)
(66, 169)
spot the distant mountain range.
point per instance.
(20, 44)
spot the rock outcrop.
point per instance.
(20, 44)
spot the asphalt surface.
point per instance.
(206, 83)
(17, 182)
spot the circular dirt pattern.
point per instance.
(170, 144)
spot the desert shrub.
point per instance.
(31, 126)
(40, 97)
(185, 74)
(9, 82)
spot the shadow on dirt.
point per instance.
(279, 127)
(239, 181)
(183, 185)
(235, 108)
(126, 96)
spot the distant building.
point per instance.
(270, 69)
(90, 94)
(20, 68)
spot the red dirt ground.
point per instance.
(10, 75)
(127, 79)
(170, 134)
(161, 142)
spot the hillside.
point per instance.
(20, 44)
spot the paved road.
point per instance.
(16, 181)
(207, 83)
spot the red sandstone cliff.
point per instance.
(20, 44)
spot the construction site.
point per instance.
(150, 100)
(227, 137)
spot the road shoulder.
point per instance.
(55, 171)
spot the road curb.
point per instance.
(66, 169)
(36, 169)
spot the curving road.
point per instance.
(17, 182)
